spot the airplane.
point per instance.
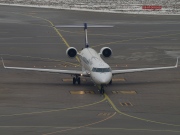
(93, 65)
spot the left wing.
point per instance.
(71, 72)
(114, 72)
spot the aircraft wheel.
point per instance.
(102, 90)
(110, 82)
(79, 80)
(74, 80)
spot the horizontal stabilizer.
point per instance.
(82, 26)
(85, 26)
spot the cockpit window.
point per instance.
(101, 69)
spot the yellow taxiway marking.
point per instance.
(50, 111)
(115, 34)
(128, 92)
(82, 125)
(106, 97)
(129, 129)
(79, 32)
(70, 80)
(133, 39)
(133, 129)
(95, 128)
(78, 92)
(134, 117)
(53, 26)
(104, 114)
(82, 92)
(125, 104)
(124, 92)
(118, 79)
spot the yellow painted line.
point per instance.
(126, 40)
(126, 104)
(130, 103)
(50, 111)
(89, 92)
(64, 40)
(114, 92)
(134, 117)
(121, 104)
(81, 32)
(95, 128)
(78, 92)
(114, 34)
(52, 25)
(128, 92)
(58, 32)
(118, 79)
(104, 114)
(82, 126)
(124, 92)
(133, 129)
(82, 92)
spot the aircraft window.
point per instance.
(101, 70)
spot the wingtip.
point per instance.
(177, 62)
(3, 62)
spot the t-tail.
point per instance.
(85, 26)
(86, 39)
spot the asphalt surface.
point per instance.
(36, 103)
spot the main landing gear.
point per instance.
(76, 79)
(110, 82)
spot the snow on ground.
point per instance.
(113, 6)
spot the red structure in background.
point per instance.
(152, 7)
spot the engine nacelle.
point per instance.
(106, 52)
(71, 52)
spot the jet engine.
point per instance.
(106, 52)
(71, 52)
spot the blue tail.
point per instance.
(86, 39)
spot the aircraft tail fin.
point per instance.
(85, 26)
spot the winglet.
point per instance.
(3, 62)
(177, 62)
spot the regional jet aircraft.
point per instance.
(92, 64)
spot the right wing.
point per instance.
(71, 72)
(114, 72)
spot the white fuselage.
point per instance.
(92, 63)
